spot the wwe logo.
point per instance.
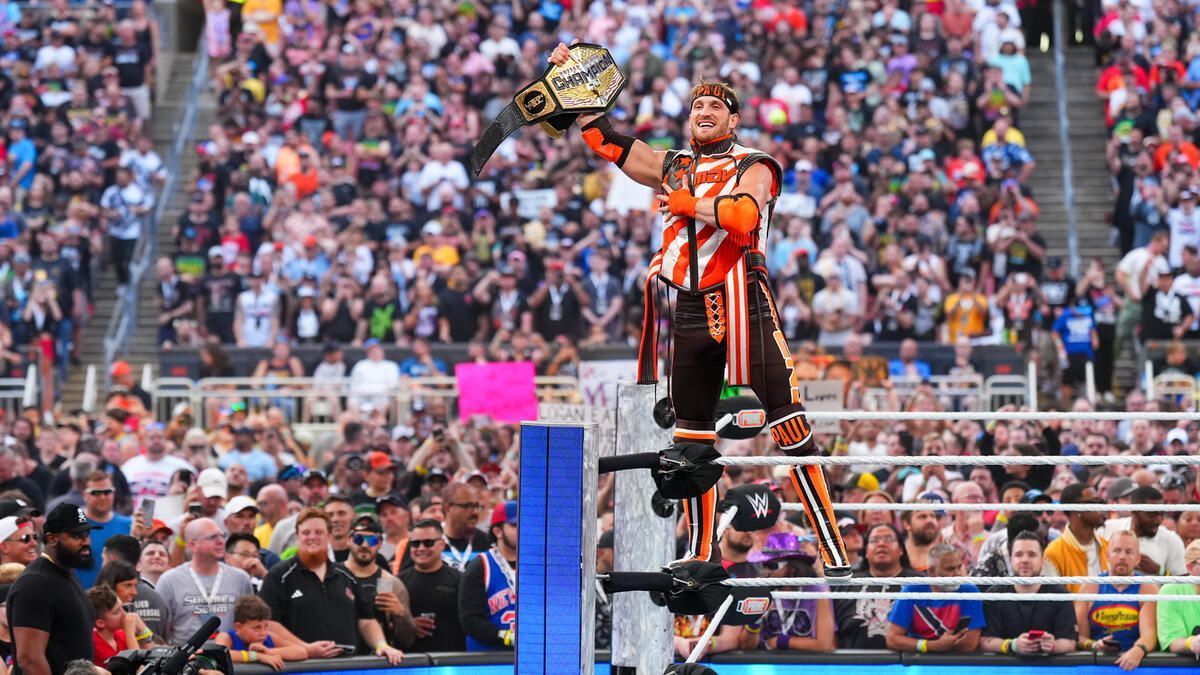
(759, 504)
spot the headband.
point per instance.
(718, 90)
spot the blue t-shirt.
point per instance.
(20, 153)
(259, 465)
(930, 619)
(1075, 326)
(119, 524)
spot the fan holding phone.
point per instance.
(1028, 628)
(939, 626)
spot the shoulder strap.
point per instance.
(755, 157)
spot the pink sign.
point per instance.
(503, 391)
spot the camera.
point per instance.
(177, 660)
(212, 656)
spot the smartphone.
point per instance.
(347, 650)
(196, 509)
(1037, 634)
(185, 477)
(148, 511)
(963, 622)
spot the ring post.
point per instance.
(556, 550)
(642, 639)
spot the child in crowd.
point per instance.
(115, 629)
(249, 641)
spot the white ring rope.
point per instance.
(1011, 597)
(1036, 508)
(964, 460)
(769, 582)
(1014, 416)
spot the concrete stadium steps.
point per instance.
(142, 347)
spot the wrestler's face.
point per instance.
(710, 119)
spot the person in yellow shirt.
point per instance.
(965, 312)
(272, 506)
(1080, 551)
(264, 15)
(1002, 131)
(432, 244)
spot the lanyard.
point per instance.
(210, 596)
(505, 569)
(458, 560)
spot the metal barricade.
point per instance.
(1001, 390)
(319, 402)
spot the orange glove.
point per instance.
(682, 203)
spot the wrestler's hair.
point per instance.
(708, 88)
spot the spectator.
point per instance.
(121, 576)
(374, 378)
(124, 205)
(1161, 549)
(250, 641)
(798, 625)
(1177, 621)
(318, 599)
(863, 624)
(937, 625)
(1081, 551)
(258, 464)
(922, 531)
(1118, 626)
(966, 311)
(1034, 627)
(395, 518)
(464, 541)
(272, 503)
(242, 551)
(114, 629)
(1166, 314)
(433, 590)
(487, 603)
(837, 312)
(908, 365)
(340, 510)
(382, 590)
(256, 313)
(314, 490)
(20, 545)
(98, 505)
(219, 584)
(149, 474)
(48, 612)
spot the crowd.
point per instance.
(1149, 69)
(333, 205)
(77, 167)
(382, 539)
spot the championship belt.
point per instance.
(588, 83)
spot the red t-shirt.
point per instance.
(105, 651)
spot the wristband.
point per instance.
(1145, 652)
(253, 656)
(180, 542)
(380, 646)
(681, 202)
(606, 142)
(1188, 642)
(756, 631)
(922, 646)
(145, 635)
(1089, 644)
(782, 642)
(1006, 647)
(245, 656)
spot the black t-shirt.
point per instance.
(131, 63)
(30, 488)
(349, 81)
(863, 624)
(47, 597)
(220, 298)
(1009, 619)
(559, 314)
(380, 317)
(314, 609)
(436, 593)
(1162, 312)
(458, 309)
